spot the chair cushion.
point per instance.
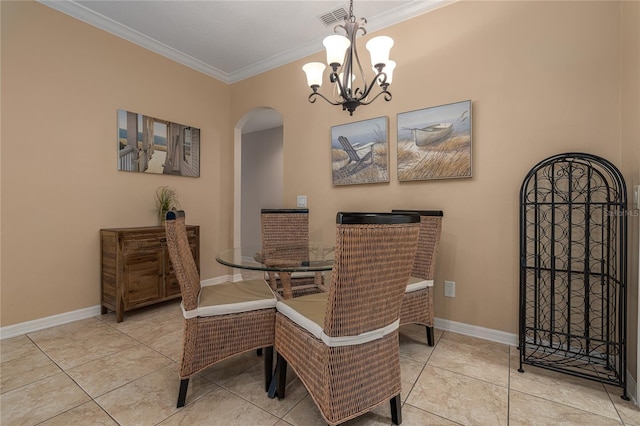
(308, 312)
(231, 298)
(416, 283)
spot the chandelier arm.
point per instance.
(381, 77)
(383, 85)
(387, 97)
(335, 29)
(360, 26)
(346, 90)
(312, 98)
(342, 91)
(366, 89)
(349, 67)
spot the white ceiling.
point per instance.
(232, 40)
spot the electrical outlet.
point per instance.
(450, 288)
(301, 201)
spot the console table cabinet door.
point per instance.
(143, 274)
(136, 268)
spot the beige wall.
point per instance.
(535, 92)
(62, 83)
(630, 164)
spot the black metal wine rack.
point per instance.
(573, 268)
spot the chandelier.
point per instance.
(346, 70)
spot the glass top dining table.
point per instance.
(284, 261)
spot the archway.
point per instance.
(258, 181)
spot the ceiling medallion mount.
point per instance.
(346, 70)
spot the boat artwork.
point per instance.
(431, 134)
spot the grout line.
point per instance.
(410, 333)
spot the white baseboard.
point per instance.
(476, 331)
(632, 388)
(64, 318)
(80, 314)
(441, 324)
(216, 280)
(47, 322)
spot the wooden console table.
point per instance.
(136, 270)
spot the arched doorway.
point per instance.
(258, 181)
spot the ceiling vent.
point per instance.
(333, 17)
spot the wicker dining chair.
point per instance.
(286, 231)
(343, 345)
(417, 304)
(220, 320)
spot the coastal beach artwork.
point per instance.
(360, 152)
(152, 145)
(435, 143)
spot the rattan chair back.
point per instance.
(285, 234)
(211, 335)
(348, 371)
(182, 259)
(428, 240)
(370, 271)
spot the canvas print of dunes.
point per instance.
(435, 143)
(359, 152)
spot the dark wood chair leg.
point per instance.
(268, 367)
(430, 336)
(259, 351)
(182, 394)
(396, 410)
(281, 373)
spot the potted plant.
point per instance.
(166, 199)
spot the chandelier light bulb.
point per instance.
(336, 46)
(314, 71)
(379, 48)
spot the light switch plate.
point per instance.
(301, 201)
(636, 197)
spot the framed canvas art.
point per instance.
(435, 143)
(152, 145)
(359, 152)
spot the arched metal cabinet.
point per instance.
(573, 268)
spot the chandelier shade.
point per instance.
(346, 69)
(379, 48)
(314, 71)
(336, 46)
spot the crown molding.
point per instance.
(84, 14)
(90, 17)
(395, 16)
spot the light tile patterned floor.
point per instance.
(99, 372)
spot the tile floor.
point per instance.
(99, 372)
